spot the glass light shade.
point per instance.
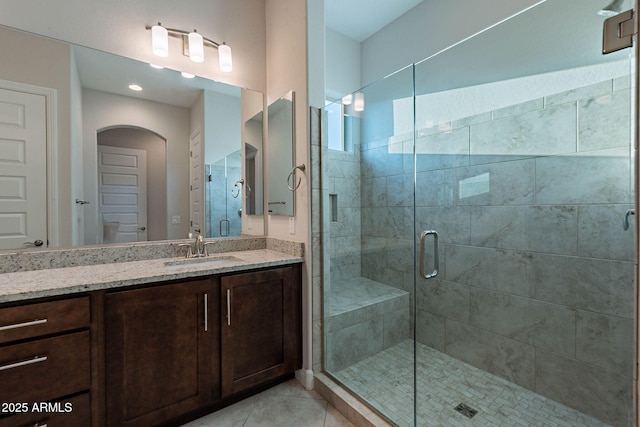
(160, 40)
(187, 75)
(358, 103)
(224, 58)
(196, 47)
(347, 99)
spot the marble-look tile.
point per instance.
(539, 133)
(379, 162)
(602, 176)
(443, 150)
(495, 184)
(446, 299)
(451, 222)
(348, 224)
(501, 227)
(624, 82)
(519, 109)
(232, 416)
(350, 345)
(552, 229)
(430, 330)
(493, 353)
(430, 188)
(348, 191)
(605, 121)
(400, 190)
(496, 269)
(399, 254)
(396, 326)
(584, 387)
(374, 192)
(605, 341)
(533, 322)
(383, 221)
(590, 284)
(601, 234)
(583, 92)
(287, 412)
(471, 120)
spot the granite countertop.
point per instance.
(27, 285)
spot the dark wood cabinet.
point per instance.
(159, 352)
(45, 357)
(261, 327)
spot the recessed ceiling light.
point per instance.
(187, 75)
(135, 87)
(157, 67)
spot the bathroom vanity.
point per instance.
(149, 342)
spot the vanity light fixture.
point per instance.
(193, 45)
(347, 99)
(157, 67)
(135, 87)
(358, 102)
(187, 75)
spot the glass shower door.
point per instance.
(524, 169)
(368, 185)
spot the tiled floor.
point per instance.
(386, 381)
(285, 405)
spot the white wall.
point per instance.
(222, 125)
(103, 110)
(29, 56)
(118, 26)
(342, 64)
(427, 29)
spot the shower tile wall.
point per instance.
(343, 171)
(536, 282)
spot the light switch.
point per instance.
(176, 219)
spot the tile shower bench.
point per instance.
(364, 317)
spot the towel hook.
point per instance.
(292, 174)
(241, 182)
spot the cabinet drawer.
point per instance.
(33, 320)
(45, 369)
(75, 412)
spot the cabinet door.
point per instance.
(158, 352)
(261, 327)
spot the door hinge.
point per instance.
(618, 32)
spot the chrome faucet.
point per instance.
(199, 244)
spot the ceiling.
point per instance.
(360, 19)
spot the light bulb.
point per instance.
(196, 47)
(224, 58)
(160, 40)
(358, 103)
(347, 99)
(187, 75)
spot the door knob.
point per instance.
(142, 228)
(35, 243)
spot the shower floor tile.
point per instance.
(386, 381)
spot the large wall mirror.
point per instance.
(281, 156)
(132, 153)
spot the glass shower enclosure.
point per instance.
(481, 231)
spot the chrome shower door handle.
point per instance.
(436, 258)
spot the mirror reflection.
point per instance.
(132, 153)
(281, 155)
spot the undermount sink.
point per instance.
(200, 262)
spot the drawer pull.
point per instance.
(40, 425)
(206, 312)
(36, 359)
(228, 307)
(23, 325)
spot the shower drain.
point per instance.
(466, 410)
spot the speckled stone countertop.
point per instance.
(25, 285)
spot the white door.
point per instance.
(196, 178)
(122, 193)
(23, 170)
